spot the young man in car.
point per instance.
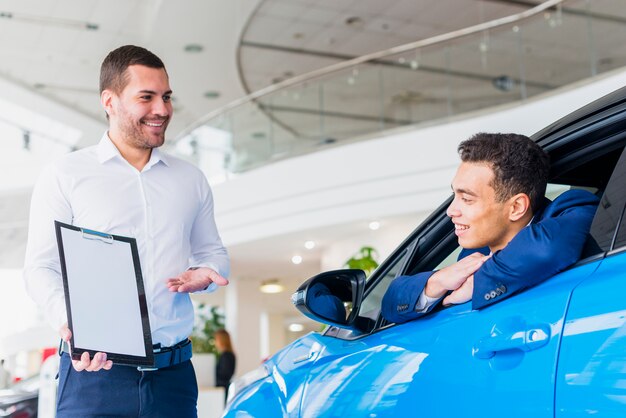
(512, 236)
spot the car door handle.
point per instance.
(525, 340)
(304, 357)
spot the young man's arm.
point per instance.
(410, 297)
(538, 251)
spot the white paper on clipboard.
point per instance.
(105, 298)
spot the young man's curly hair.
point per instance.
(518, 163)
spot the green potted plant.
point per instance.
(208, 320)
(364, 259)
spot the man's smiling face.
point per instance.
(142, 111)
(479, 219)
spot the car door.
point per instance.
(453, 362)
(591, 376)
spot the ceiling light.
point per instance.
(211, 94)
(259, 135)
(271, 286)
(46, 20)
(296, 327)
(194, 48)
(374, 225)
(296, 259)
(354, 21)
(309, 245)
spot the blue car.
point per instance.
(555, 350)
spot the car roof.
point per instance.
(597, 108)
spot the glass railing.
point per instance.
(503, 61)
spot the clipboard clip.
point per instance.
(95, 235)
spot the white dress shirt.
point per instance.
(167, 207)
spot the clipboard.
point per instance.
(105, 297)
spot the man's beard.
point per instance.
(133, 133)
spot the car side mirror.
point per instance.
(332, 297)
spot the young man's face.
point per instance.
(142, 111)
(479, 220)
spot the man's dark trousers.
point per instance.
(125, 391)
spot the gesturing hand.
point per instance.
(454, 276)
(194, 280)
(99, 361)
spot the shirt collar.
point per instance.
(107, 151)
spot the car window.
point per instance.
(370, 307)
(450, 259)
(611, 210)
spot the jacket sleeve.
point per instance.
(539, 251)
(399, 302)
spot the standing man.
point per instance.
(126, 186)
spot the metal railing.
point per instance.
(502, 61)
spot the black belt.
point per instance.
(170, 356)
(163, 356)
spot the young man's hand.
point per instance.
(195, 280)
(454, 276)
(99, 361)
(462, 294)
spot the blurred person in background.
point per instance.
(225, 367)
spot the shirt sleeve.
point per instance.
(207, 249)
(425, 302)
(42, 268)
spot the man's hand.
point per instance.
(194, 280)
(454, 276)
(462, 294)
(98, 362)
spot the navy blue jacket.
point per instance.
(552, 242)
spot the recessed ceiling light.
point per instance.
(271, 286)
(194, 48)
(211, 94)
(296, 259)
(374, 225)
(296, 327)
(259, 135)
(47, 20)
(354, 21)
(298, 35)
(309, 245)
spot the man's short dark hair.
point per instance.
(113, 74)
(518, 163)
